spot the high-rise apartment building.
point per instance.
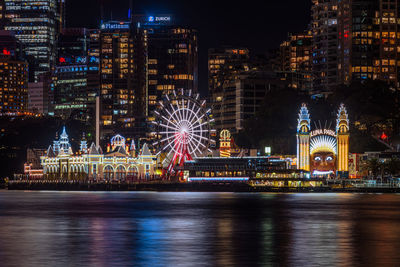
(166, 57)
(355, 40)
(13, 84)
(296, 60)
(369, 40)
(76, 75)
(224, 67)
(117, 92)
(141, 60)
(324, 45)
(36, 24)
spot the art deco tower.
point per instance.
(342, 135)
(303, 139)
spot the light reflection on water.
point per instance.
(198, 229)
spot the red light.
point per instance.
(384, 136)
(62, 60)
(6, 52)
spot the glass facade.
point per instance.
(36, 24)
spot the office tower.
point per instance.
(36, 24)
(140, 61)
(75, 79)
(296, 60)
(116, 79)
(325, 46)
(166, 55)
(3, 20)
(13, 84)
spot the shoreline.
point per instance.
(187, 187)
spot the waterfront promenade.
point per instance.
(168, 186)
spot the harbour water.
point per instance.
(198, 229)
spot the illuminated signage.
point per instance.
(323, 132)
(163, 18)
(113, 26)
(159, 19)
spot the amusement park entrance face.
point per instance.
(323, 161)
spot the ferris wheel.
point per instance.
(183, 127)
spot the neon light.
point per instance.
(198, 179)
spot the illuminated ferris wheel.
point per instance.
(183, 127)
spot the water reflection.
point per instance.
(199, 229)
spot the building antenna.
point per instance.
(130, 9)
(101, 12)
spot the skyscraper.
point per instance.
(166, 57)
(296, 60)
(369, 41)
(140, 60)
(76, 80)
(13, 76)
(116, 79)
(325, 46)
(36, 24)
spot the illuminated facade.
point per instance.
(119, 163)
(225, 144)
(303, 139)
(369, 41)
(324, 45)
(343, 136)
(166, 59)
(117, 91)
(224, 67)
(323, 152)
(76, 76)
(295, 57)
(140, 61)
(13, 85)
(36, 24)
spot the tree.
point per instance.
(392, 166)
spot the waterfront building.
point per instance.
(36, 24)
(257, 171)
(76, 75)
(120, 163)
(322, 151)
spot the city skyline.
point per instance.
(245, 26)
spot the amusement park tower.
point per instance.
(343, 136)
(303, 139)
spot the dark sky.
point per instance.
(255, 24)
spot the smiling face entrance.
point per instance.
(323, 155)
(323, 163)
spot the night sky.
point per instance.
(257, 25)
